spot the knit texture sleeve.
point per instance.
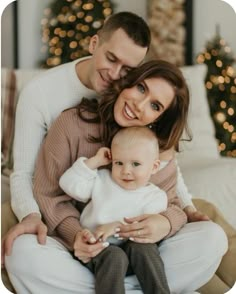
(182, 190)
(29, 133)
(58, 152)
(175, 215)
(78, 181)
(166, 179)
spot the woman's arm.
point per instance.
(182, 192)
(65, 141)
(56, 155)
(174, 213)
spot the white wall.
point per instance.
(7, 44)
(30, 13)
(207, 13)
(137, 6)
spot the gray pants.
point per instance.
(115, 262)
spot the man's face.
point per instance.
(112, 59)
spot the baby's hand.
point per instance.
(104, 156)
(102, 232)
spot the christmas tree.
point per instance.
(221, 92)
(67, 27)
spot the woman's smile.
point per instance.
(142, 105)
(128, 112)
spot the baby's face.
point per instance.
(133, 165)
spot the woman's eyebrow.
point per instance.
(160, 104)
(157, 101)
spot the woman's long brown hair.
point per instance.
(169, 127)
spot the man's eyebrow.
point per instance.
(116, 58)
(112, 55)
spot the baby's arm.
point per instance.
(102, 157)
(79, 179)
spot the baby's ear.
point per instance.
(156, 165)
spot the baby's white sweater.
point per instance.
(40, 102)
(109, 202)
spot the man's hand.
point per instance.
(31, 224)
(195, 215)
(87, 246)
(146, 228)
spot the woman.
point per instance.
(156, 95)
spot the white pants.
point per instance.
(191, 257)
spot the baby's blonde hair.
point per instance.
(136, 135)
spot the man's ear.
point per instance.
(93, 44)
(156, 165)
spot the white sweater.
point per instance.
(109, 202)
(40, 102)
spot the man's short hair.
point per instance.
(133, 25)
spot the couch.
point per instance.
(209, 177)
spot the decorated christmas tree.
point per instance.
(221, 92)
(67, 27)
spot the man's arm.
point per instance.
(29, 132)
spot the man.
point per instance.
(119, 46)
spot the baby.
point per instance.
(125, 191)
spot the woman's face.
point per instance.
(143, 103)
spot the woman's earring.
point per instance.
(150, 126)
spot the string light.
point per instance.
(220, 83)
(67, 26)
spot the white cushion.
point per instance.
(213, 180)
(204, 143)
(206, 174)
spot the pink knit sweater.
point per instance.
(65, 142)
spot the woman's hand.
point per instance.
(87, 246)
(146, 228)
(31, 224)
(195, 215)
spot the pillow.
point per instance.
(8, 103)
(12, 81)
(204, 143)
